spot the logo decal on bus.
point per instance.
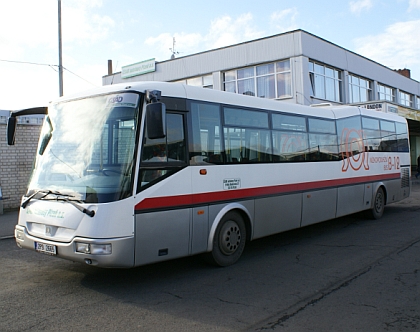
(353, 150)
(116, 99)
(389, 163)
(51, 213)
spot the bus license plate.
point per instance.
(44, 248)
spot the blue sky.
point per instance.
(129, 31)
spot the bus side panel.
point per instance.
(368, 196)
(350, 199)
(162, 235)
(277, 214)
(200, 229)
(318, 206)
(394, 191)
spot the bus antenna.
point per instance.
(173, 49)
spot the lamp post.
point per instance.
(60, 60)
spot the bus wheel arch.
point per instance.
(228, 237)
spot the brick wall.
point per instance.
(16, 161)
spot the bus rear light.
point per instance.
(93, 249)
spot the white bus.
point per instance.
(128, 175)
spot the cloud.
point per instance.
(226, 31)
(81, 25)
(284, 20)
(37, 25)
(29, 33)
(27, 23)
(223, 31)
(356, 7)
(413, 5)
(395, 47)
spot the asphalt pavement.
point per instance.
(9, 219)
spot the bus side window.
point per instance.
(289, 146)
(371, 134)
(206, 124)
(290, 140)
(323, 145)
(389, 137)
(169, 148)
(247, 135)
(163, 156)
(350, 138)
(402, 137)
(175, 137)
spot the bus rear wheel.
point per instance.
(229, 240)
(378, 204)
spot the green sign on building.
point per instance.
(138, 68)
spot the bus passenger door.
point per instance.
(206, 177)
(163, 215)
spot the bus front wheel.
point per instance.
(378, 204)
(229, 240)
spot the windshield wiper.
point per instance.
(45, 192)
(90, 213)
(65, 198)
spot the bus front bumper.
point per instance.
(110, 252)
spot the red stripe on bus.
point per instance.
(238, 194)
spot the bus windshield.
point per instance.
(87, 148)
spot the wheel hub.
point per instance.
(230, 238)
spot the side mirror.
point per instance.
(46, 135)
(156, 120)
(11, 130)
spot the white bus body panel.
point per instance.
(292, 196)
(62, 225)
(178, 216)
(277, 214)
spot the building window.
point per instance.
(283, 79)
(360, 89)
(272, 80)
(195, 81)
(208, 81)
(418, 102)
(386, 93)
(325, 82)
(406, 99)
(200, 81)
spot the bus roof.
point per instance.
(179, 90)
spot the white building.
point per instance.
(295, 67)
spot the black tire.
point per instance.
(229, 240)
(378, 204)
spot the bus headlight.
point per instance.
(19, 235)
(93, 249)
(101, 249)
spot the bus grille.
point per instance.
(405, 178)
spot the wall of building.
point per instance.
(16, 162)
(241, 55)
(299, 46)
